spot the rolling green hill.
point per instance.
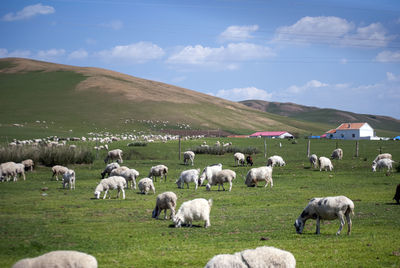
(384, 125)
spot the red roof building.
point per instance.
(272, 134)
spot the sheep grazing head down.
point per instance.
(97, 194)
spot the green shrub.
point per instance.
(137, 143)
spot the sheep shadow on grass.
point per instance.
(185, 226)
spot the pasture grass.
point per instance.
(38, 216)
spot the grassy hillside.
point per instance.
(384, 125)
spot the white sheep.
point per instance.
(239, 159)
(59, 258)
(145, 185)
(118, 171)
(28, 163)
(191, 175)
(166, 200)
(259, 174)
(114, 155)
(20, 170)
(110, 183)
(69, 178)
(314, 160)
(193, 210)
(326, 208)
(209, 172)
(188, 155)
(58, 170)
(254, 258)
(159, 170)
(8, 170)
(225, 175)
(383, 163)
(276, 160)
(325, 163)
(337, 154)
(130, 175)
(382, 156)
(109, 168)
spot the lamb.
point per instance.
(337, 154)
(59, 258)
(188, 155)
(314, 160)
(145, 185)
(159, 170)
(191, 175)
(8, 170)
(382, 156)
(20, 170)
(108, 169)
(239, 159)
(325, 163)
(196, 209)
(397, 194)
(113, 182)
(58, 170)
(225, 175)
(130, 175)
(383, 163)
(259, 174)
(275, 160)
(28, 164)
(249, 160)
(209, 172)
(254, 258)
(326, 208)
(69, 178)
(114, 155)
(166, 200)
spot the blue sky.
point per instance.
(329, 54)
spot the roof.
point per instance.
(345, 126)
(331, 131)
(268, 133)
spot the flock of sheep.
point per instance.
(116, 177)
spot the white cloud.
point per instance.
(313, 84)
(388, 56)
(78, 54)
(137, 53)
(4, 53)
(392, 77)
(115, 24)
(50, 54)
(333, 31)
(29, 12)
(90, 41)
(227, 56)
(248, 93)
(238, 33)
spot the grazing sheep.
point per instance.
(254, 258)
(59, 258)
(145, 185)
(58, 170)
(239, 159)
(225, 175)
(326, 208)
(191, 175)
(166, 200)
(397, 194)
(118, 171)
(130, 175)
(382, 156)
(114, 155)
(159, 170)
(110, 183)
(259, 174)
(275, 160)
(383, 163)
(209, 172)
(325, 163)
(337, 154)
(193, 210)
(8, 170)
(28, 163)
(314, 160)
(249, 160)
(108, 169)
(188, 155)
(69, 178)
(20, 169)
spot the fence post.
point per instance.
(179, 147)
(265, 147)
(308, 147)
(357, 148)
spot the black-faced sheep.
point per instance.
(314, 160)
(108, 169)
(337, 154)
(249, 160)
(166, 200)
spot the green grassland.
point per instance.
(121, 233)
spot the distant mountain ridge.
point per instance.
(323, 115)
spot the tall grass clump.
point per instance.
(220, 150)
(47, 156)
